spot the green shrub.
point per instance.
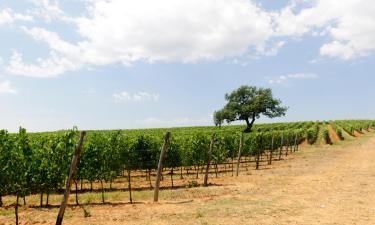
(326, 138)
(339, 133)
(192, 184)
(312, 135)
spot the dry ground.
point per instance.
(317, 185)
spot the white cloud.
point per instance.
(50, 10)
(284, 79)
(349, 23)
(169, 30)
(190, 31)
(63, 56)
(7, 88)
(125, 31)
(137, 97)
(45, 68)
(7, 16)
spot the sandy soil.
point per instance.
(357, 134)
(332, 133)
(325, 185)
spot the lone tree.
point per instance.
(249, 103)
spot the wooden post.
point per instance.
(163, 153)
(298, 142)
(209, 159)
(239, 154)
(130, 187)
(76, 185)
(258, 156)
(270, 160)
(72, 174)
(16, 209)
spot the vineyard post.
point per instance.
(16, 209)
(130, 187)
(160, 165)
(72, 173)
(287, 144)
(270, 161)
(298, 142)
(295, 143)
(258, 155)
(209, 159)
(281, 146)
(239, 154)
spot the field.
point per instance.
(324, 178)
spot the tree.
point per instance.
(249, 103)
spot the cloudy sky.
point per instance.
(108, 64)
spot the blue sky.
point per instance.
(123, 64)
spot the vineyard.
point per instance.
(126, 160)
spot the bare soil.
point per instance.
(316, 185)
(357, 134)
(332, 133)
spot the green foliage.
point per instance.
(339, 133)
(326, 138)
(249, 103)
(192, 184)
(39, 162)
(312, 134)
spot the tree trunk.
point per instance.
(91, 186)
(249, 124)
(181, 177)
(1, 201)
(24, 200)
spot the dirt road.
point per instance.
(318, 185)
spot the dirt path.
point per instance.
(325, 185)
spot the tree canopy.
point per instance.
(248, 103)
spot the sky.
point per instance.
(122, 64)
